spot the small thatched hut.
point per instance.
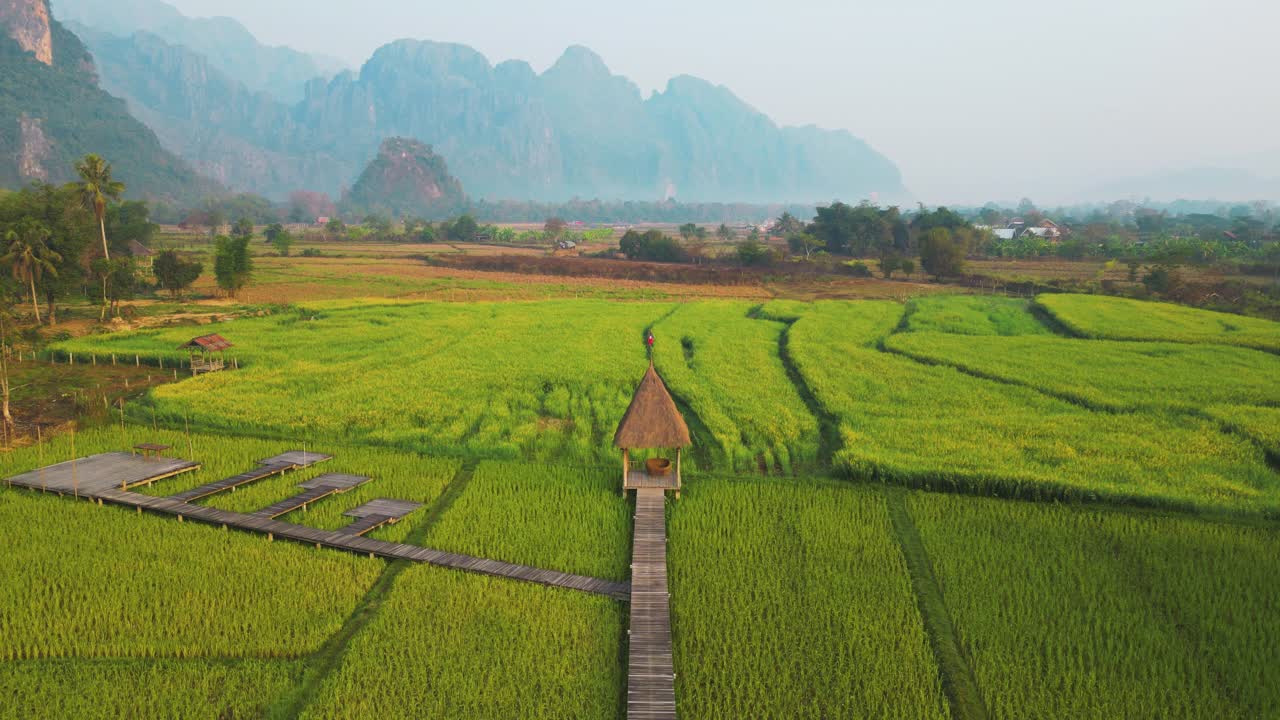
(207, 353)
(652, 421)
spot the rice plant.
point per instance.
(91, 582)
(1109, 374)
(973, 315)
(563, 518)
(1124, 319)
(455, 645)
(109, 689)
(793, 601)
(1065, 612)
(725, 365)
(541, 380)
(932, 426)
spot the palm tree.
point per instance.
(29, 256)
(96, 188)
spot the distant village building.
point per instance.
(322, 220)
(144, 258)
(1017, 227)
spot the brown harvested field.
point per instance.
(295, 279)
(1046, 269)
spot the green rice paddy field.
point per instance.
(960, 507)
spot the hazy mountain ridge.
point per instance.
(576, 130)
(1212, 183)
(53, 113)
(280, 71)
(240, 138)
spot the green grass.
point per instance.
(1124, 319)
(725, 365)
(554, 517)
(455, 645)
(792, 600)
(1065, 612)
(539, 380)
(973, 315)
(110, 689)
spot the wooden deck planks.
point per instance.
(88, 475)
(366, 524)
(639, 479)
(650, 670)
(259, 473)
(292, 460)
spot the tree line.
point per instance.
(81, 240)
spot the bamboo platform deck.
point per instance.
(292, 460)
(376, 513)
(651, 692)
(86, 476)
(121, 471)
(313, 490)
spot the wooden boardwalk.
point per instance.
(293, 460)
(313, 490)
(376, 513)
(651, 691)
(109, 490)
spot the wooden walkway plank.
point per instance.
(109, 488)
(650, 669)
(203, 491)
(292, 460)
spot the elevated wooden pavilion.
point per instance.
(207, 353)
(652, 422)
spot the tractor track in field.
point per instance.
(958, 681)
(701, 451)
(1271, 457)
(828, 426)
(328, 659)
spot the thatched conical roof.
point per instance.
(652, 420)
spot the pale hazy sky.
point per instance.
(976, 100)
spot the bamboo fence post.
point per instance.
(40, 445)
(75, 481)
